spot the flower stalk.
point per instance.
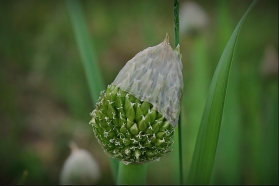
(132, 174)
(176, 43)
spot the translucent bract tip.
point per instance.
(155, 75)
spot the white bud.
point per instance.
(192, 17)
(79, 168)
(270, 62)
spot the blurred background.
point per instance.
(45, 101)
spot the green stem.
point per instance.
(176, 42)
(131, 174)
(176, 22)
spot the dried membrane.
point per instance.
(155, 75)
(135, 117)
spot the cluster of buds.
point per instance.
(135, 117)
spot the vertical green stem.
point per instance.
(176, 42)
(131, 174)
(176, 22)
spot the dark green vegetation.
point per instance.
(45, 100)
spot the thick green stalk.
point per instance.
(89, 61)
(131, 174)
(176, 42)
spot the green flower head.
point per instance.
(135, 117)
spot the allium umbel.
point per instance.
(135, 117)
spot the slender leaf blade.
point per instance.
(87, 52)
(207, 140)
(92, 71)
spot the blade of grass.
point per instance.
(227, 169)
(87, 52)
(89, 60)
(207, 140)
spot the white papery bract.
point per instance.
(155, 75)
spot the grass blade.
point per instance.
(92, 71)
(227, 165)
(207, 140)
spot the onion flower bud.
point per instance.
(80, 168)
(135, 116)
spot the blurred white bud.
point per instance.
(193, 18)
(80, 168)
(270, 62)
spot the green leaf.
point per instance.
(92, 71)
(207, 139)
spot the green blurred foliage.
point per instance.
(45, 101)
